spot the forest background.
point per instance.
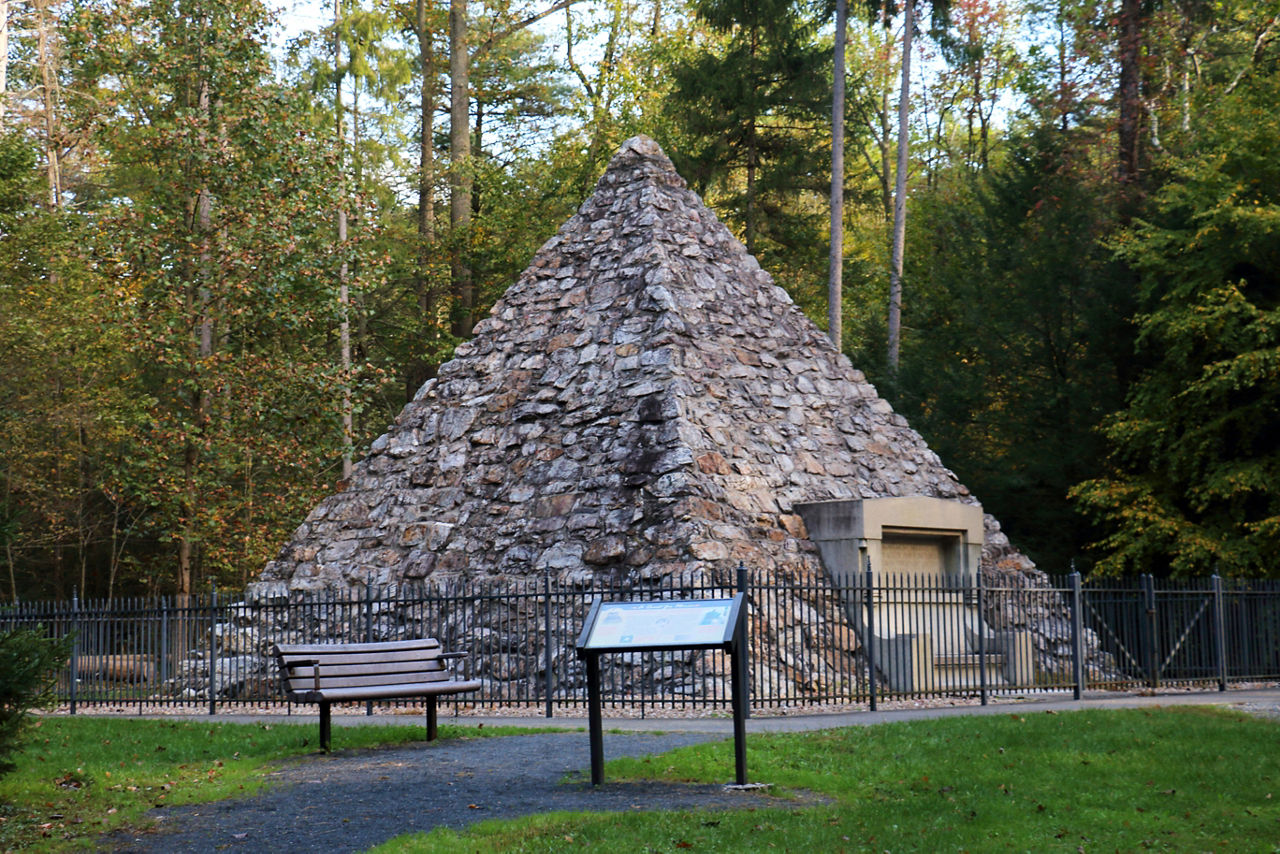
(228, 258)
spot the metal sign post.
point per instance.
(623, 627)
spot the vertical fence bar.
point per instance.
(1151, 625)
(547, 640)
(75, 647)
(164, 641)
(982, 641)
(869, 638)
(213, 650)
(744, 678)
(368, 629)
(1077, 637)
(1219, 633)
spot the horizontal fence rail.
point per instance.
(811, 643)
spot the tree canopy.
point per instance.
(225, 262)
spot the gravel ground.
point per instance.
(353, 800)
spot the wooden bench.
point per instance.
(340, 672)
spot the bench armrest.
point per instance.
(307, 662)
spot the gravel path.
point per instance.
(353, 800)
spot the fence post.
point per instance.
(744, 678)
(869, 637)
(368, 629)
(75, 645)
(213, 648)
(164, 641)
(982, 643)
(547, 640)
(1153, 656)
(1219, 633)
(1077, 636)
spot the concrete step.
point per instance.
(963, 670)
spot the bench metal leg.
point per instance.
(324, 726)
(431, 718)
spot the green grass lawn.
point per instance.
(80, 777)
(1180, 779)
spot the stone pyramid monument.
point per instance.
(642, 402)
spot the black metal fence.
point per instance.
(811, 643)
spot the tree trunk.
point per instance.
(4, 58)
(477, 140)
(462, 288)
(426, 150)
(900, 195)
(1130, 91)
(344, 294)
(835, 274)
(204, 349)
(886, 191)
(752, 163)
(49, 95)
(424, 289)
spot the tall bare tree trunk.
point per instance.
(4, 58)
(344, 293)
(426, 141)
(900, 194)
(753, 162)
(1129, 95)
(201, 304)
(463, 289)
(835, 273)
(47, 60)
(424, 287)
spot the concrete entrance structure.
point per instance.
(928, 633)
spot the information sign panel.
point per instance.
(685, 624)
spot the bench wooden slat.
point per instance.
(372, 646)
(383, 692)
(366, 658)
(306, 681)
(352, 668)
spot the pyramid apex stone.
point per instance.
(643, 146)
(641, 157)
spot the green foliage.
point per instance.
(1177, 779)
(28, 661)
(176, 401)
(1194, 479)
(1017, 343)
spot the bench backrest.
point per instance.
(348, 665)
